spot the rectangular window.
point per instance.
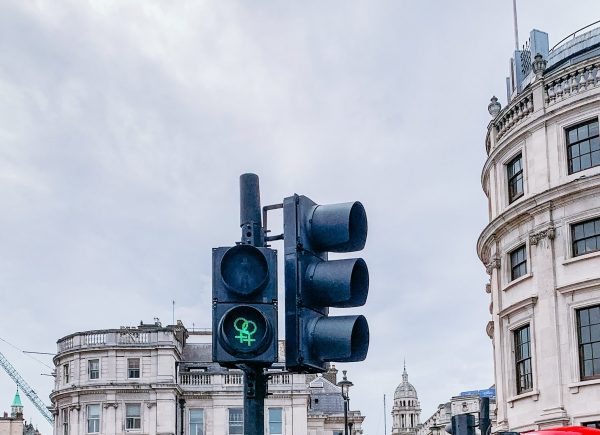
(133, 416)
(588, 328)
(514, 171)
(524, 371)
(64, 413)
(66, 376)
(196, 422)
(236, 421)
(275, 421)
(133, 368)
(592, 424)
(583, 146)
(586, 237)
(518, 262)
(93, 418)
(94, 368)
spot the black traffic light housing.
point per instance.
(313, 283)
(244, 305)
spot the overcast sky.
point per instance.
(124, 127)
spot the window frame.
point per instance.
(520, 361)
(577, 142)
(201, 424)
(512, 266)
(580, 344)
(131, 370)
(133, 418)
(66, 373)
(235, 423)
(91, 371)
(574, 240)
(514, 177)
(272, 421)
(95, 419)
(65, 420)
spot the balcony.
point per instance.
(232, 381)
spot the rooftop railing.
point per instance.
(573, 35)
(118, 337)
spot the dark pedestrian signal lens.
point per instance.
(244, 269)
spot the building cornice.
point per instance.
(529, 207)
(517, 306)
(588, 284)
(112, 388)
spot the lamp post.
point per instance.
(345, 385)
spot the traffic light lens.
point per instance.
(244, 330)
(339, 227)
(244, 269)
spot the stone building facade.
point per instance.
(161, 381)
(541, 247)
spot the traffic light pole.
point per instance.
(255, 380)
(255, 390)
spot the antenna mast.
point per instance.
(515, 25)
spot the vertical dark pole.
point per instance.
(345, 416)
(255, 381)
(484, 415)
(250, 213)
(255, 389)
(181, 410)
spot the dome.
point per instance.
(405, 389)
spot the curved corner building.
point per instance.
(541, 247)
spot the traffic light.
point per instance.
(313, 283)
(244, 305)
(463, 424)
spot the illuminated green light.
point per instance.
(246, 329)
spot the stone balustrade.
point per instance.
(518, 110)
(214, 381)
(571, 81)
(118, 337)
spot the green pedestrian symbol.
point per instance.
(246, 329)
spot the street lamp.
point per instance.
(345, 385)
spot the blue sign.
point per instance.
(490, 392)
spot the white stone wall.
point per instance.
(556, 283)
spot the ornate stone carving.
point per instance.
(494, 107)
(488, 288)
(550, 233)
(489, 329)
(494, 264)
(539, 65)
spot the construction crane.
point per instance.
(24, 386)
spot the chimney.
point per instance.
(331, 374)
